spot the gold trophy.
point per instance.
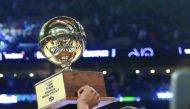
(62, 41)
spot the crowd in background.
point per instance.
(119, 81)
(108, 23)
(129, 83)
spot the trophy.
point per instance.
(62, 41)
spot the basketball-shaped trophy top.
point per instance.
(62, 40)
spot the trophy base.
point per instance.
(71, 104)
(60, 89)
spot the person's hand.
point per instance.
(87, 97)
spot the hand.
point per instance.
(87, 97)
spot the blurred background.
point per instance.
(136, 44)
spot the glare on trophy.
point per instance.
(62, 41)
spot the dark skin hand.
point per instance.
(87, 97)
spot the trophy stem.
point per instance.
(66, 66)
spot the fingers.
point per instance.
(88, 95)
(96, 97)
(92, 90)
(84, 88)
(97, 100)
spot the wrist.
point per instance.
(82, 105)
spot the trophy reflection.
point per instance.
(62, 41)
